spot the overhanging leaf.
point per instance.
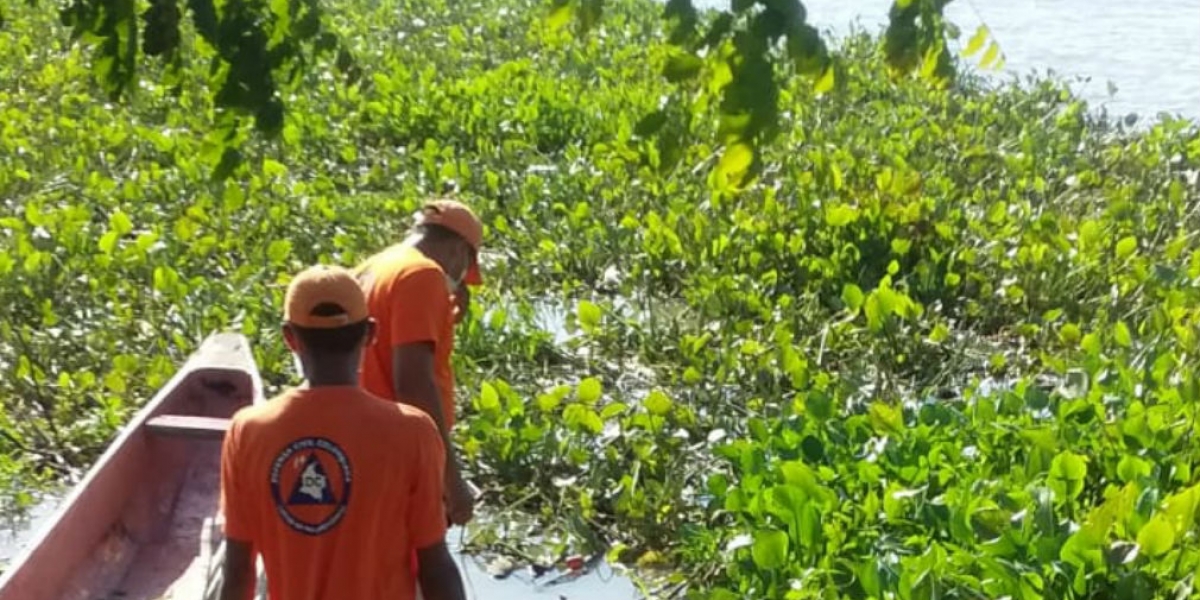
(682, 66)
(975, 44)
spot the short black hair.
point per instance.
(333, 342)
(438, 233)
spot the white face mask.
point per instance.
(453, 284)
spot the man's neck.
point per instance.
(424, 246)
(315, 380)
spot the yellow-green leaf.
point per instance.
(589, 315)
(115, 382)
(589, 390)
(886, 419)
(1121, 335)
(657, 403)
(737, 159)
(975, 44)
(1067, 472)
(119, 222)
(1156, 538)
(989, 57)
(852, 297)
(770, 549)
(826, 82)
(841, 215)
(1126, 247)
(561, 15)
(278, 251)
(489, 400)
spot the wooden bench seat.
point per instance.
(188, 426)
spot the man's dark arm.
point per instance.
(413, 382)
(438, 575)
(239, 575)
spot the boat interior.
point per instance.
(144, 522)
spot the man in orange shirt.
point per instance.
(416, 290)
(333, 487)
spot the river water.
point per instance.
(598, 584)
(1149, 50)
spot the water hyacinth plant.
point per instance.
(922, 341)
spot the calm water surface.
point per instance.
(1149, 50)
(600, 584)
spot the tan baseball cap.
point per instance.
(460, 219)
(324, 286)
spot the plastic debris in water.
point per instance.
(575, 563)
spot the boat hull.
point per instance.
(139, 524)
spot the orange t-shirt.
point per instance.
(411, 302)
(336, 490)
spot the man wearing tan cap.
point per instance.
(334, 488)
(416, 291)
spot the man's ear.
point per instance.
(372, 331)
(291, 339)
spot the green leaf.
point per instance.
(548, 402)
(613, 410)
(1131, 468)
(658, 403)
(809, 53)
(818, 405)
(273, 168)
(489, 400)
(560, 14)
(682, 66)
(1156, 537)
(734, 162)
(786, 502)
(827, 81)
(1067, 473)
(1126, 247)
(1180, 510)
(1121, 335)
(589, 315)
(1069, 333)
(108, 242)
(868, 577)
(852, 297)
(770, 549)
(886, 419)
(841, 215)
(650, 124)
(589, 390)
(939, 334)
(119, 222)
(582, 418)
(975, 44)
(115, 382)
(989, 57)
(278, 251)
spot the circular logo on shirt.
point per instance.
(310, 483)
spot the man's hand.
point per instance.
(438, 575)
(460, 499)
(462, 303)
(239, 571)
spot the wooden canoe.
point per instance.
(143, 522)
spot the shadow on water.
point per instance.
(597, 584)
